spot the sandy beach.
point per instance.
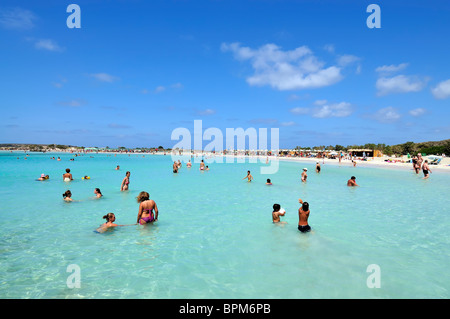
(444, 165)
(382, 162)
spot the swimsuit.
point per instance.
(148, 219)
(304, 228)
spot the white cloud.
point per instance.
(285, 70)
(299, 110)
(290, 123)
(342, 109)
(347, 59)
(104, 77)
(399, 84)
(160, 89)
(391, 68)
(442, 90)
(320, 102)
(59, 84)
(118, 126)
(206, 112)
(417, 112)
(387, 115)
(177, 85)
(48, 44)
(266, 121)
(323, 109)
(329, 48)
(17, 18)
(73, 103)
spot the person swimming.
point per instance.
(117, 168)
(268, 182)
(67, 177)
(110, 218)
(43, 177)
(125, 182)
(148, 211)
(98, 193)
(67, 196)
(109, 224)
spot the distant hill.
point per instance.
(429, 148)
(37, 147)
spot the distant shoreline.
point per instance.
(371, 162)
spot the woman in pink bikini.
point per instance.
(148, 211)
(125, 182)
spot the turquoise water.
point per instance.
(215, 237)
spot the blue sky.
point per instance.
(136, 70)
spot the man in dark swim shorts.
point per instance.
(303, 215)
(304, 229)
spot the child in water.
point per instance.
(277, 212)
(110, 218)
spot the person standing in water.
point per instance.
(277, 212)
(202, 165)
(352, 181)
(67, 177)
(426, 170)
(303, 215)
(249, 176)
(317, 167)
(175, 167)
(125, 182)
(148, 211)
(304, 175)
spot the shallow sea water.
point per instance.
(215, 237)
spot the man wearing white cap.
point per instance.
(304, 175)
